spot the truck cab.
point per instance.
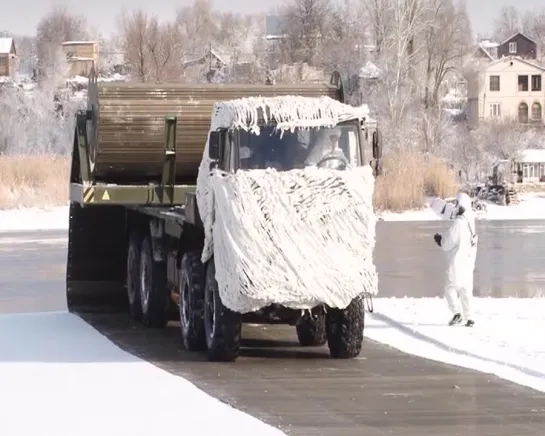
(339, 147)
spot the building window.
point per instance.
(494, 83)
(536, 82)
(512, 48)
(3, 61)
(523, 113)
(495, 110)
(536, 112)
(523, 83)
(530, 172)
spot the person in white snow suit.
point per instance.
(460, 244)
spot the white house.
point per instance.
(510, 87)
(530, 164)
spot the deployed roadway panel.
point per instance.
(305, 393)
(301, 390)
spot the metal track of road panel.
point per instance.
(96, 259)
(304, 392)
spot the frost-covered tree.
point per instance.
(53, 29)
(153, 49)
(40, 122)
(508, 23)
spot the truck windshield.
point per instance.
(333, 148)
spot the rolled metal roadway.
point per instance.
(127, 131)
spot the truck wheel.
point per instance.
(222, 326)
(345, 329)
(192, 301)
(133, 276)
(153, 289)
(311, 330)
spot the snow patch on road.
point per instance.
(507, 340)
(60, 377)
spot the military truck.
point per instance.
(135, 231)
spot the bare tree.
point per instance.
(53, 29)
(165, 48)
(197, 26)
(152, 49)
(345, 42)
(399, 55)
(238, 40)
(134, 33)
(379, 17)
(306, 26)
(503, 138)
(27, 56)
(446, 40)
(533, 24)
(508, 23)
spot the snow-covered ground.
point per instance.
(60, 377)
(55, 218)
(507, 339)
(531, 207)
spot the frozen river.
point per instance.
(510, 259)
(510, 263)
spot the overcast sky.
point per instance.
(21, 16)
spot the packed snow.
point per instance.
(506, 340)
(14, 220)
(531, 207)
(74, 381)
(56, 218)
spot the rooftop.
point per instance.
(79, 42)
(5, 45)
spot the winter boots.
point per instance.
(457, 319)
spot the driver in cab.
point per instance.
(326, 152)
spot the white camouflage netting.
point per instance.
(297, 238)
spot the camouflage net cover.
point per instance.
(297, 238)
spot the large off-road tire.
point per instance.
(133, 275)
(192, 301)
(345, 329)
(153, 290)
(311, 330)
(222, 326)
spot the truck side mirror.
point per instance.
(214, 142)
(377, 146)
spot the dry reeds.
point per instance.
(33, 181)
(408, 178)
(42, 181)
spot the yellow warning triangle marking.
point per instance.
(105, 196)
